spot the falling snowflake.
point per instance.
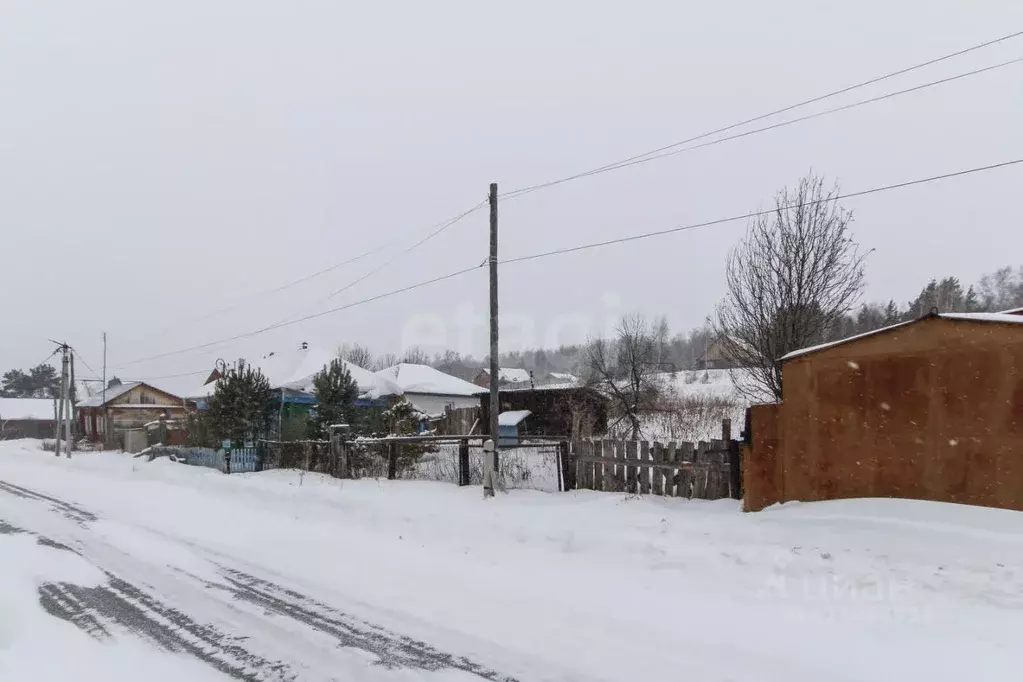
(853, 365)
(953, 442)
(886, 407)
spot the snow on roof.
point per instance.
(564, 377)
(1014, 311)
(513, 374)
(512, 418)
(37, 409)
(1003, 318)
(424, 379)
(296, 370)
(111, 393)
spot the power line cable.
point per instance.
(79, 355)
(437, 229)
(172, 376)
(661, 152)
(629, 161)
(440, 227)
(820, 114)
(306, 317)
(755, 214)
(581, 247)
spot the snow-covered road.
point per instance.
(127, 569)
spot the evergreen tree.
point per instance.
(241, 406)
(335, 392)
(40, 381)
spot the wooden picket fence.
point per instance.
(705, 470)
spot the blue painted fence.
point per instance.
(243, 460)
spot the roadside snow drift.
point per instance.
(185, 573)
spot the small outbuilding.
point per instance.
(562, 411)
(508, 424)
(27, 418)
(431, 391)
(930, 409)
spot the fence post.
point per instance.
(734, 470)
(463, 462)
(260, 454)
(565, 465)
(392, 461)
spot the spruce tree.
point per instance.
(336, 393)
(241, 406)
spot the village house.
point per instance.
(431, 391)
(126, 407)
(27, 418)
(507, 376)
(930, 409)
(291, 375)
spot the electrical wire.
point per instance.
(755, 214)
(623, 163)
(304, 318)
(437, 229)
(79, 356)
(171, 376)
(581, 247)
(440, 227)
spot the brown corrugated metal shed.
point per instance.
(931, 409)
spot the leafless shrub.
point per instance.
(626, 370)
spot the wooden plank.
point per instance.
(619, 456)
(579, 452)
(671, 474)
(701, 473)
(598, 465)
(631, 454)
(644, 471)
(610, 471)
(663, 466)
(734, 470)
(657, 475)
(587, 480)
(685, 474)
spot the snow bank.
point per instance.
(586, 586)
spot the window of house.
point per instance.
(146, 399)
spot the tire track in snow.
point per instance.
(119, 605)
(99, 611)
(71, 511)
(394, 651)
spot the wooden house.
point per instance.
(126, 407)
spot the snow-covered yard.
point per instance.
(287, 576)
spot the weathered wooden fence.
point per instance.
(705, 470)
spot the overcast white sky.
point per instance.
(162, 160)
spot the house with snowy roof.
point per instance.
(507, 376)
(124, 407)
(291, 374)
(429, 390)
(27, 418)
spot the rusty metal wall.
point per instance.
(933, 411)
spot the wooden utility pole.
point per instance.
(60, 406)
(64, 405)
(495, 370)
(71, 399)
(104, 389)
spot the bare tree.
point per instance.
(357, 354)
(625, 369)
(795, 275)
(414, 355)
(386, 360)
